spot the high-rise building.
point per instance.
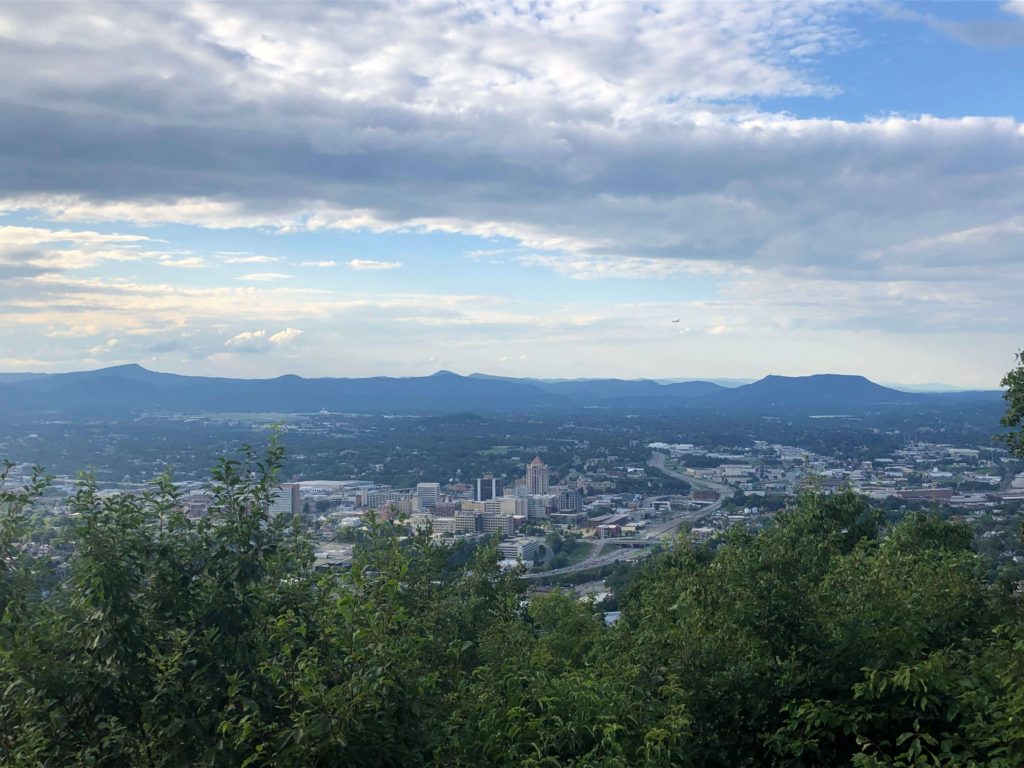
(570, 501)
(538, 476)
(487, 487)
(429, 494)
(285, 499)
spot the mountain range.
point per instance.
(132, 388)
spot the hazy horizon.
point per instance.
(725, 381)
(553, 190)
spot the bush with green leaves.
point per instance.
(831, 637)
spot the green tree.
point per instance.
(831, 637)
(1014, 417)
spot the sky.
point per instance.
(551, 189)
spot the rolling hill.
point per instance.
(132, 388)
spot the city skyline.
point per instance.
(552, 190)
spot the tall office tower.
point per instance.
(285, 499)
(570, 501)
(429, 494)
(538, 476)
(487, 487)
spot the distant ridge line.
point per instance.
(131, 387)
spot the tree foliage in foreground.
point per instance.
(1014, 396)
(830, 638)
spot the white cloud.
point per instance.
(243, 258)
(264, 277)
(585, 267)
(101, 349)
(12, 235)
(183, 262)
(324, 264)
(260, 341)
(47, 249)
(70, 258)
(285, 337)
(369, 264)
(148, 211)
(247, 341)
(73, 331)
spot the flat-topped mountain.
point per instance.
(823, 389)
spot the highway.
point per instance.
(660, 533)
(657, 461)
(594, 561)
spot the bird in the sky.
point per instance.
(676, 320)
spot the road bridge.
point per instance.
(662, 534)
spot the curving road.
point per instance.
(661, 532)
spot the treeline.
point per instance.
(830, 638)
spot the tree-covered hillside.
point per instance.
(829, 638)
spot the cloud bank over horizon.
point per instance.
(524, 188)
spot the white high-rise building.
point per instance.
(429, 494)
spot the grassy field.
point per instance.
(579, 552)
(496, 450)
